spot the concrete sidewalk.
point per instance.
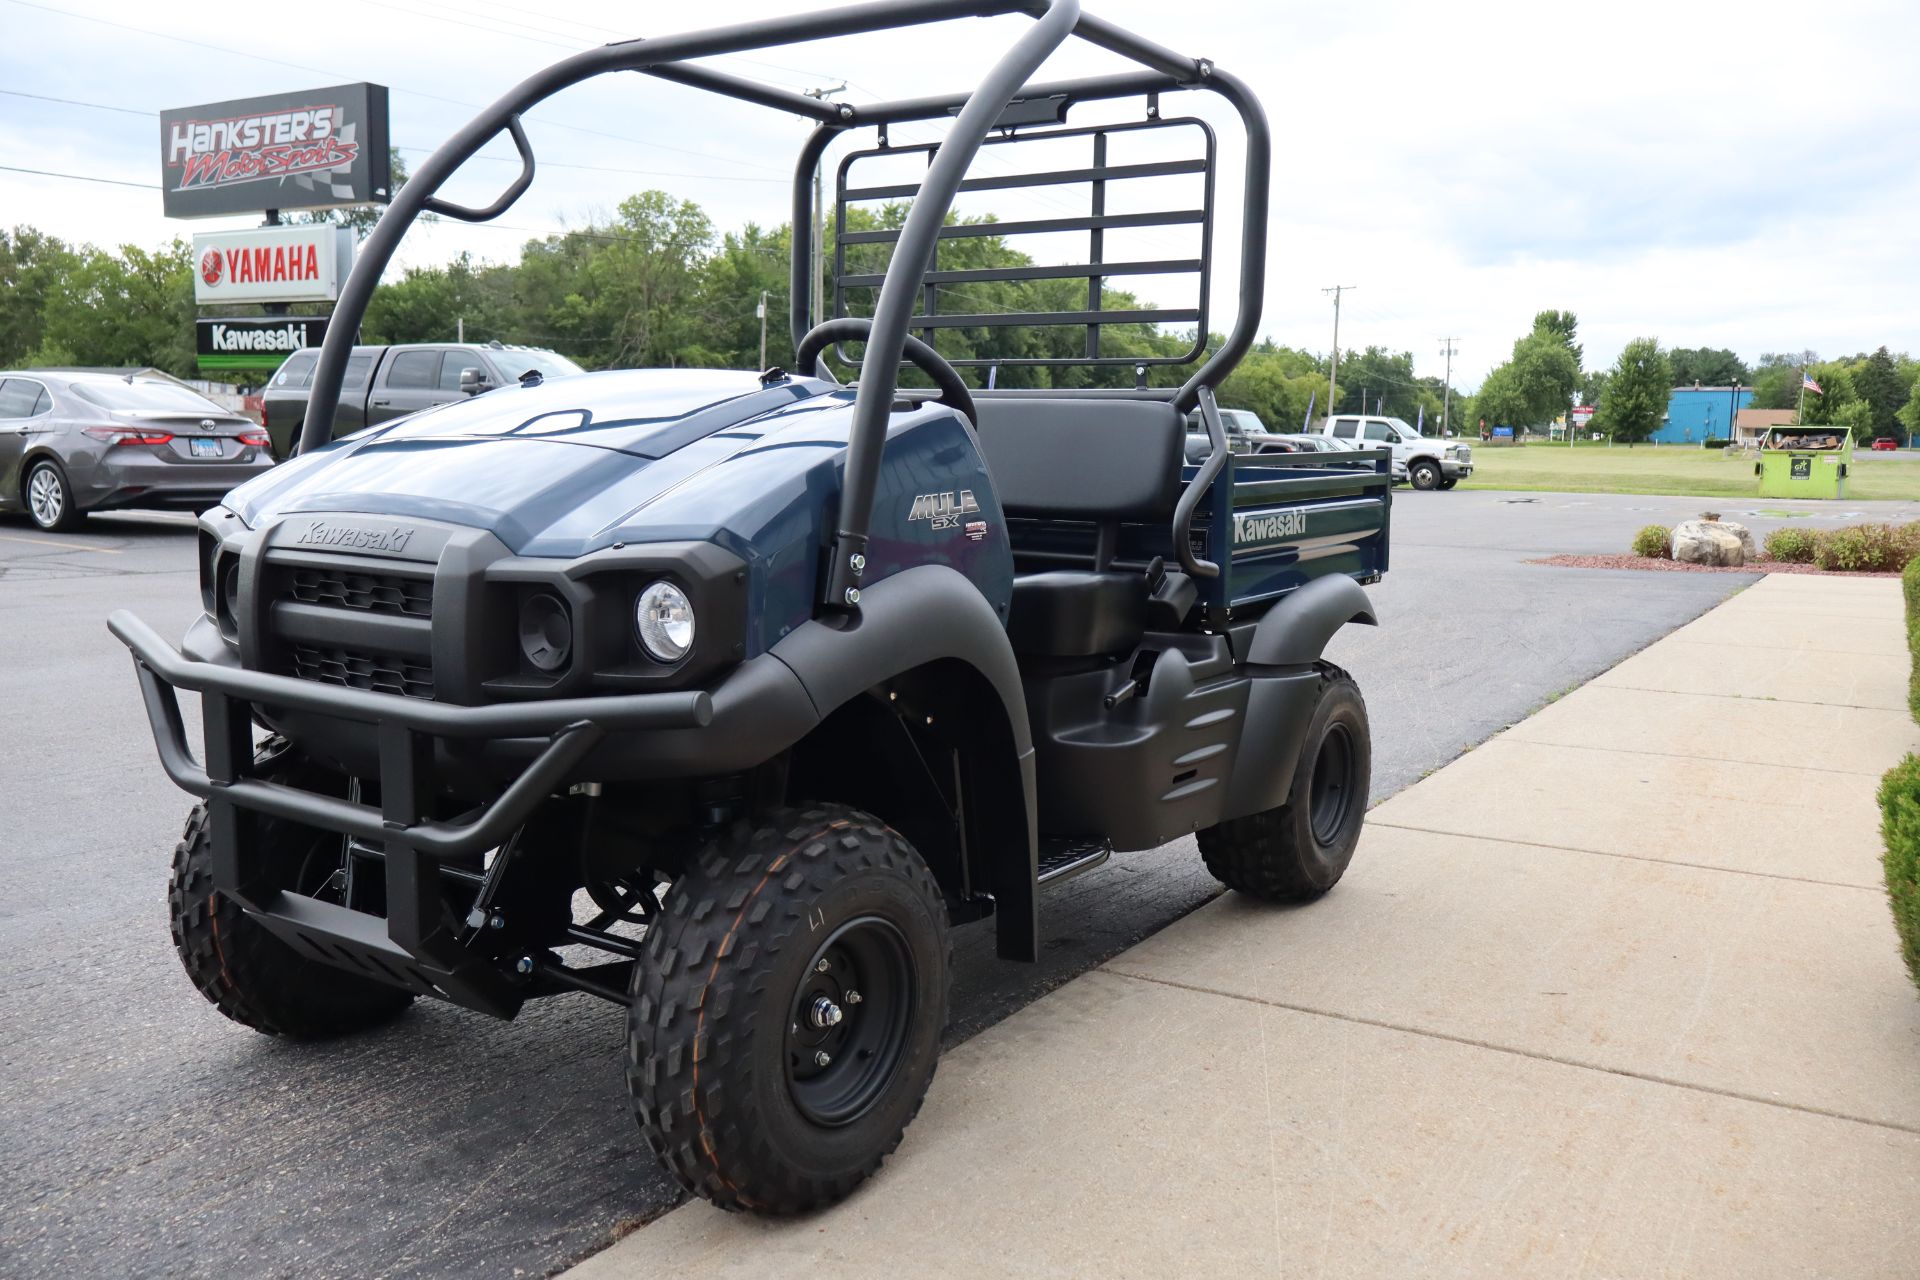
(1615, 994)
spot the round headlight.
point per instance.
(546, 632)
(665, 619)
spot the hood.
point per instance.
(579, 452)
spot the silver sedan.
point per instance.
(71, 443)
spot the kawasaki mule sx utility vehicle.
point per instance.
(786, 678)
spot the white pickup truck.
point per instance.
(1423, 462)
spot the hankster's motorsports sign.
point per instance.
(320, 149)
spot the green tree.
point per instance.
(33, 265)
(1910, 411)
(1776, 378)
(1637, 391)
(133, 307)
(1708, 366)
(1537, 383)
(1827, 405)
(1564, 325)
(1878, 382)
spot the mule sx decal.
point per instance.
(943, 510)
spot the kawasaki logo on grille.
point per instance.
(1268, 528)
(320, 533)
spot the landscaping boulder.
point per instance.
(1712, 542)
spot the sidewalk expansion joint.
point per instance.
(1822, 650)
(1627, 857)
(1514, 1051)
(1510, 736)
(1605, 683)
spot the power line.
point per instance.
(74, 102)
(321, 71)
(79, 177)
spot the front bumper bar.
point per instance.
(421, 947)
(572, 725)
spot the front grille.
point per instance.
(359, 669)
(371, 592)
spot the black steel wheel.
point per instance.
(242, 969)
(1300, 849)
(785, 1019)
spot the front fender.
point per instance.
(910, 620)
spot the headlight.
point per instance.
(665, 620)
(546, 632)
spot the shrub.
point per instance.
(1900, 831)
(1910, 588)
(1655, 541)
(1867, 548)
(1793, 546)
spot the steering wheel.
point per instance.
(953, 391)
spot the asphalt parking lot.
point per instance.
(147, 1136)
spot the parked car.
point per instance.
(384, 383)
(74, 443)
(1886, 444)
(1245, 434)
(1419, 460)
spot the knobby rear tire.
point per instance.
(1299, 850)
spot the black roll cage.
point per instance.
(974, 115)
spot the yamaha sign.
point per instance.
(271, 264)
(256, 342)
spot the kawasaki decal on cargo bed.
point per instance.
(1268, 528)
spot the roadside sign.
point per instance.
(255, 342)
(1582, 414)
(271, 264)
(317, 149)
(1503, 433)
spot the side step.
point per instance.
(1063, 859)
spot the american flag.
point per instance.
(1806, 380)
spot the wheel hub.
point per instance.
(847, 1030)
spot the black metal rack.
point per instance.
(1003, 100)
(1096, 270)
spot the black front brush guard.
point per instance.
(420, 948)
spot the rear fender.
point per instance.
(1295, 631)
(926, 638)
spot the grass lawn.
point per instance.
(1666, 469)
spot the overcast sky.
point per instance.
(1714, 174)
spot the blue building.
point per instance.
(1701, 413)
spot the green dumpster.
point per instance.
(1805, 462)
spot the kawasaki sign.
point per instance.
(256, 342)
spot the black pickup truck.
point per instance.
(390, 382)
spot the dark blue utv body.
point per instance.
(794, 676)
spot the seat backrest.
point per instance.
(1083, 459)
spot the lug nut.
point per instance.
(822, 967)
(822, 1059)
(852, 996)
(476, 919)
(523, 965)
(825, 1013)
(498, 922)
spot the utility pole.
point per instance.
(1448, 350)
(817, 233)
(763, 329)
(1333, 379)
